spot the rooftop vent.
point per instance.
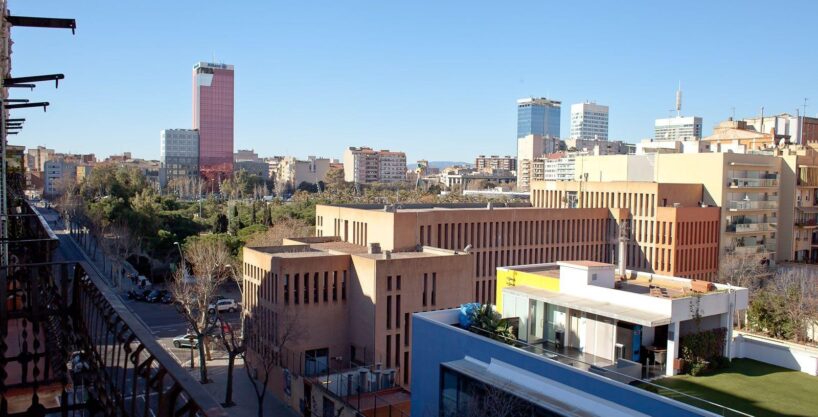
(374, 248)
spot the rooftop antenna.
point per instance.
(679, 100)
(762, 120)
(801, 128)
(733, 113)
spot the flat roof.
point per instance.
(339, 246)
(586, 264)
(602, 308)
(545, 392)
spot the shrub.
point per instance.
(701, 349)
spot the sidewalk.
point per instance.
(243, 394)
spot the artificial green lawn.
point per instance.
(751, 387)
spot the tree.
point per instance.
(335, 179)
(495, 401)
(797, 289)
(282, 229)
(234, 343)
(266, 351)
(266, 218)
(220, 223)
(743, 270)
(209, 259)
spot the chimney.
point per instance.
(387, 254)
(374, 248)
(490, 205)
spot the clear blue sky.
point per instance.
(437, 79)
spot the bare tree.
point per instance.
(743, 270)
(798, 289)
(281, 229)
(265, 352)
(209, 259)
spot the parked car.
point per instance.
(167, 298)
(138, 295)
(185, 341)
(225, 304)
(156, 296)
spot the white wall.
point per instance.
(776, 352)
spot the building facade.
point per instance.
(746, 188)
(178, 155)
(539, 117)
(529, 149)
(507, 163)
(791, 129)
(213, 118)
(364, 165)
(37, 157)
(293, 171)
(460, 372)
(589, 121)
(668, 230)
(674, 128)
(56, 173)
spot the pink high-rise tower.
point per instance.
(213, 118)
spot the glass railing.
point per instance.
(753, 182)
(752, 205)
(597, 368)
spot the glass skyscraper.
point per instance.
(213, 118)
(538, 116)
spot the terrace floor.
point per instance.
(751, 387)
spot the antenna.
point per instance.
(679, 100)
(801, 129)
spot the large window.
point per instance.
(463, 396)
(316, 361)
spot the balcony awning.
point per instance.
(603, 308)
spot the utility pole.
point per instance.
(800, 128)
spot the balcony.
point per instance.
(757, 248)
(744, 205)
(753, 182)
(70, 346)
(751, 227)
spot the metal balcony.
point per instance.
(69, 346)
(753, 182)
(751, 227)
(744, 205)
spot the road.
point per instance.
(165, 323)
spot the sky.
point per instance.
(436, 79)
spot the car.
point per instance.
(138, 295)
(167, 298)
(186, 341)
(156, 296)
(225, 304)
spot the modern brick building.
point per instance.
(494, 162)
(365, 166)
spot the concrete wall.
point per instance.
(776, 352)
(432, 336)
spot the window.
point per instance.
(316, 361)
(388, 311)
(334, 285)
(397, 311)
(307, 288)
(326, 286)
(397, 282)
(286, 288)
(295, 291)
(315, 287)
(389, 283)
(344, 286)
(434, 287)
(425, 283)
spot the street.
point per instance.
(165, 324)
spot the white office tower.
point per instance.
(678, 128)
(589, 121)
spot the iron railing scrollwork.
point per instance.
(67, 336)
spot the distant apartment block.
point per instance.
(465, 178)
(37, 157)
(365, 166)
(57, 172)
(293, 171)
(529, 149)
(589, 121)
(213, 118)
(600, 147)
(791, 129)
(178, 155)
(673, 128)
(493, 162)
(539, 117)
(246, 155)
(557, 166)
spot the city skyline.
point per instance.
(447, 85)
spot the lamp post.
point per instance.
(182, 255)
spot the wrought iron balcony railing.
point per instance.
(67, 343)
